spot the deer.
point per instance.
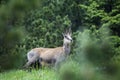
(51, 56)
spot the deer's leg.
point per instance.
(47, 62)
(32, 60)
(56, 63)
(51, 62)
(37, 64)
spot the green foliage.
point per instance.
(72, 70)
(99, 49)
(98, 13)
(45, 33)
(39, 23)
(12, 14)
(69, 70)
(95, 47)
(116, 42)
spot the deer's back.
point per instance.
(48, 53)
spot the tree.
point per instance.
(12, 14)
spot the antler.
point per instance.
(68, 31)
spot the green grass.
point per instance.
(70, 70)
(41, 74)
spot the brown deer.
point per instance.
(50, 56)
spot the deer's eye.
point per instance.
(65, 36)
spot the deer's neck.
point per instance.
(66, 48)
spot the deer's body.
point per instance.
(50, 55)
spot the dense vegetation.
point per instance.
(39, 23)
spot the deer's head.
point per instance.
(67, 36)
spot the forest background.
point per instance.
(26, 24)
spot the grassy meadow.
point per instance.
(42, 74)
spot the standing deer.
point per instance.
(51, 56)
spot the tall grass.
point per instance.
(42, 74)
